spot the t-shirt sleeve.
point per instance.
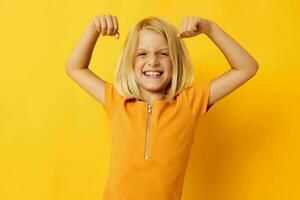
(198, 97)
(108, 98)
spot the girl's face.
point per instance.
(153, 56)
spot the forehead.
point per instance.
(151, 39)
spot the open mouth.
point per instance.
(150, 74)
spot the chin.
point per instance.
(152, 88)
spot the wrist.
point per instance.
(211, 27)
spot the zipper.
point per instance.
(149, 111)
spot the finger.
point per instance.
(196, 23)
(117, 35)
(179, 31)
(179, 35)
(192, 26)
(192, 29)
(110, 27)
(180, 28)
(116, 27)
(97, 23)
(184, 27)
(103, 25)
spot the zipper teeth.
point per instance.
(149, 111)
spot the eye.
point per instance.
(141, 54)
(164, 53)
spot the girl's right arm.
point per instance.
(78, 62)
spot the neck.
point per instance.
(151, 97)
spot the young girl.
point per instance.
(152, 105)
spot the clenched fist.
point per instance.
(107, 25)
(192, 26)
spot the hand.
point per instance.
(192, 26)
(107, 25)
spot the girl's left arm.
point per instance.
(243, 65)
(236, 55)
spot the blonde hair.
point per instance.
(183, 71)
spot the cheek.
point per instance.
(169, 67)
(138, 65)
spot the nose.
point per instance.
(153, 61)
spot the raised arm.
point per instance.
(78, 62)
(243, 65)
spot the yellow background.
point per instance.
(55, 138)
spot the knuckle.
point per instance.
(96, 19)
(96, 23)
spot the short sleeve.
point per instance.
(108, 98)
(198, 97)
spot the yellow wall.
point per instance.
(54, 137)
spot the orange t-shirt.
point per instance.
(151, 146)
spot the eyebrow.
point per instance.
(165, 48)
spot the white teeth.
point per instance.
(152, 73)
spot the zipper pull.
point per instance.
(149, 108)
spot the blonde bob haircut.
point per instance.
(183, 72)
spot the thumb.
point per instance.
(178, 36)
(117, 35)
